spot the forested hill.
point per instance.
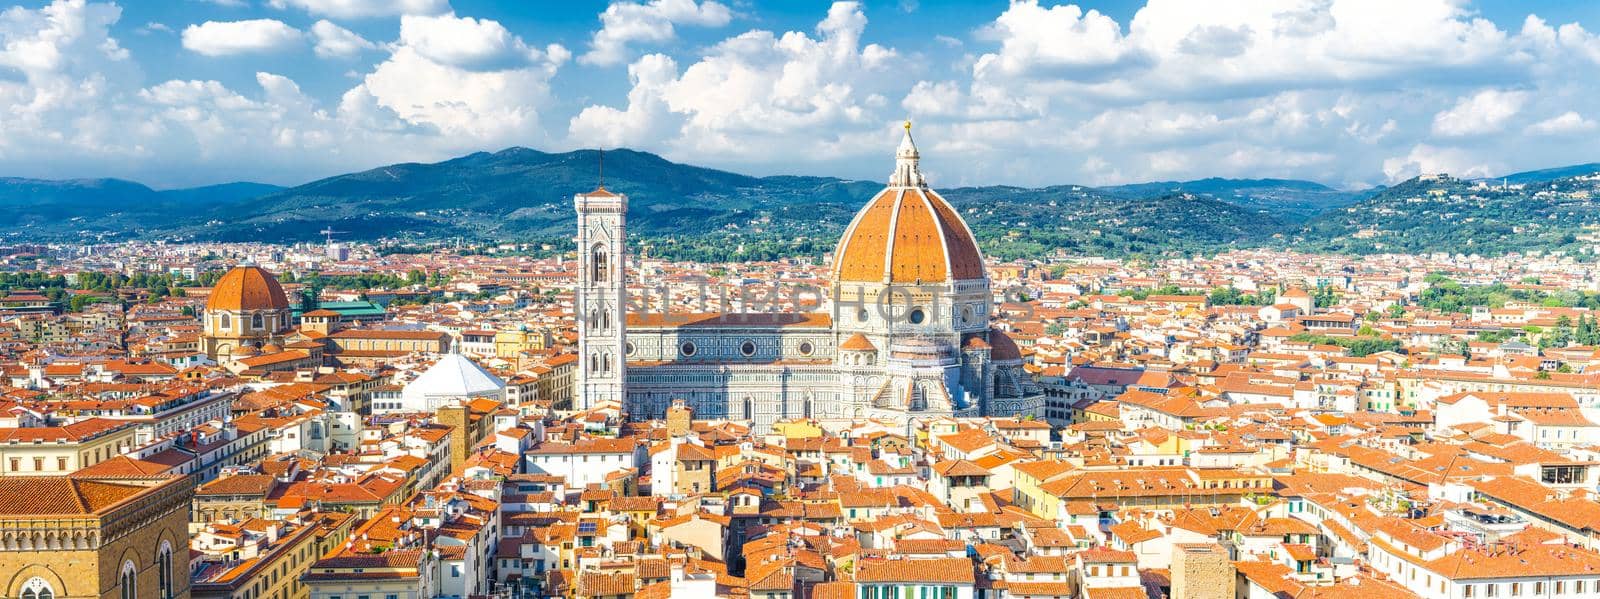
(689, 212)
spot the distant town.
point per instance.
(906, 418)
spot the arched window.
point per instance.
(749, 409)
(164, 570)
(256, 323)
(129, 581)
(37, 588)
(227, 322)
(600, 266)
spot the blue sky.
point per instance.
(1346, 92)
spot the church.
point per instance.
(905, 334)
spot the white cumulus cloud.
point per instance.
(1566, 123)
(77, 106)
(763, 94)
(221, 38)
(466, 77)
(1061, 39)
(625, 23)
(1424, 159)
(647, 117)
(1482, 113)
(465, 42)
(1347, 92)
(334, 41)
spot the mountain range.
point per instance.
(689, 212)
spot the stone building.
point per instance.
(234, 497)
(120, 537)
(247, 311)
(905, 332)
(1201, 571)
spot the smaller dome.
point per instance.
(858, 342)
(1005, 348)
(247, 288)
(453, 377)
(271, 348)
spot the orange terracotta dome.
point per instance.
(907, 234)
(247, 288)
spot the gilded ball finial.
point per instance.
(908, 124)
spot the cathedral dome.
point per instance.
(247, 288)
(907, 233)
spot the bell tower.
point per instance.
(600, 301)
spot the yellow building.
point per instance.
(120, 537)
(798, 428)
(507, 344)
(1027, 481)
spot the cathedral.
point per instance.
(905, 333)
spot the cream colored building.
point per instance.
(62, 450)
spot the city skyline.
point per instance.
(286, 91)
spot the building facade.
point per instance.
(121, 537)
(906, 332)
(247, 311)
(601, 298)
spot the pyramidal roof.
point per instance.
(455, 376)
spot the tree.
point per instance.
(1453, 347)
(1324, 297)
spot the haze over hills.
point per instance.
(689, 212)
(43, 202)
